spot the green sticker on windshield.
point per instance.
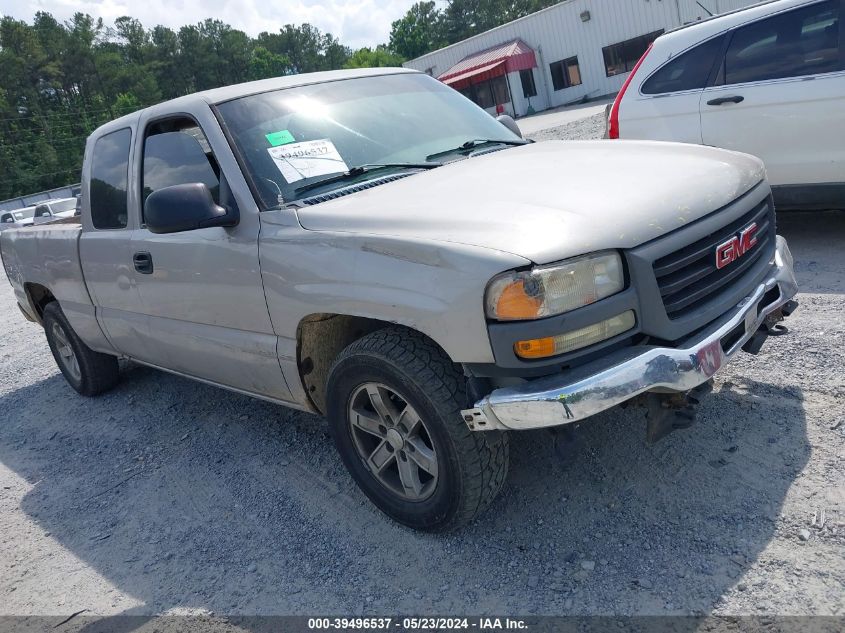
(279, 138)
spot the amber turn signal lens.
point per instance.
(536, 348)
(576, 339)
(515, 303)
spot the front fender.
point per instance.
(434, 287)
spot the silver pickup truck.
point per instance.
(371, 246)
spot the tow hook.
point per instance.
(668, 412)
(772, 322)
(771, 326)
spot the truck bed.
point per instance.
(46, 255)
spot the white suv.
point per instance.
(768, 80)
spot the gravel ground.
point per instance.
(591, 127)
(168, 496)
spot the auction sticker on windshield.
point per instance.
(299, 161)
(282, 137)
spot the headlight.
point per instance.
(549, 290)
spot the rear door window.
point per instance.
(688, 71)
(109, 180)
(796, 43)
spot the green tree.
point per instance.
(418, 32)
(307, 49)
(373, 58)
(136, 38)
(334, 54)
(60, 81)
(167, 65)
(464, 18)
(264, 64)
(127, 102)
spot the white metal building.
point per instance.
(573, 50)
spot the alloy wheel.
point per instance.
(67, 357)
(393, 442)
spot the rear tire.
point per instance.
(411, 452)
(88, 372)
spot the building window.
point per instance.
(483, 94)
(527, 78)
(488, 94)
(565, 73)
(499, 86)
(622, 57)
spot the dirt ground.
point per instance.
(169, 496)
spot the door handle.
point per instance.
(143, 262)
(731, 99)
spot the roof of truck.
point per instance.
(235, 91)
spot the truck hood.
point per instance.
(551, 200)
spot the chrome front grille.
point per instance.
(689, 275)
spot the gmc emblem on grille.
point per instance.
(734, 248)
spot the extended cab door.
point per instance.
(780, 95)
(202, 289)
(104, 242)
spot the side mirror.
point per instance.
(509, 123)
(185, 208)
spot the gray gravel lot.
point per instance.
(587, 128)
(169, 496)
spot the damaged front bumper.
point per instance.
(580, 393)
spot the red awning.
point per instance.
(476, 75)
(489, 63)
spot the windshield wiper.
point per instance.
(359, 170)
(473, 143)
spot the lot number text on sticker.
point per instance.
(298, 161)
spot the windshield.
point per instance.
(61, 206)
(293, 137)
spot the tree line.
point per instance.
(61, 80)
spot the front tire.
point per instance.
(394, 408)
(88, 372)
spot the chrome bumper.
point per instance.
(585, 391)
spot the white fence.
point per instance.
(34, 198)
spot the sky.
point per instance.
(355, 23)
